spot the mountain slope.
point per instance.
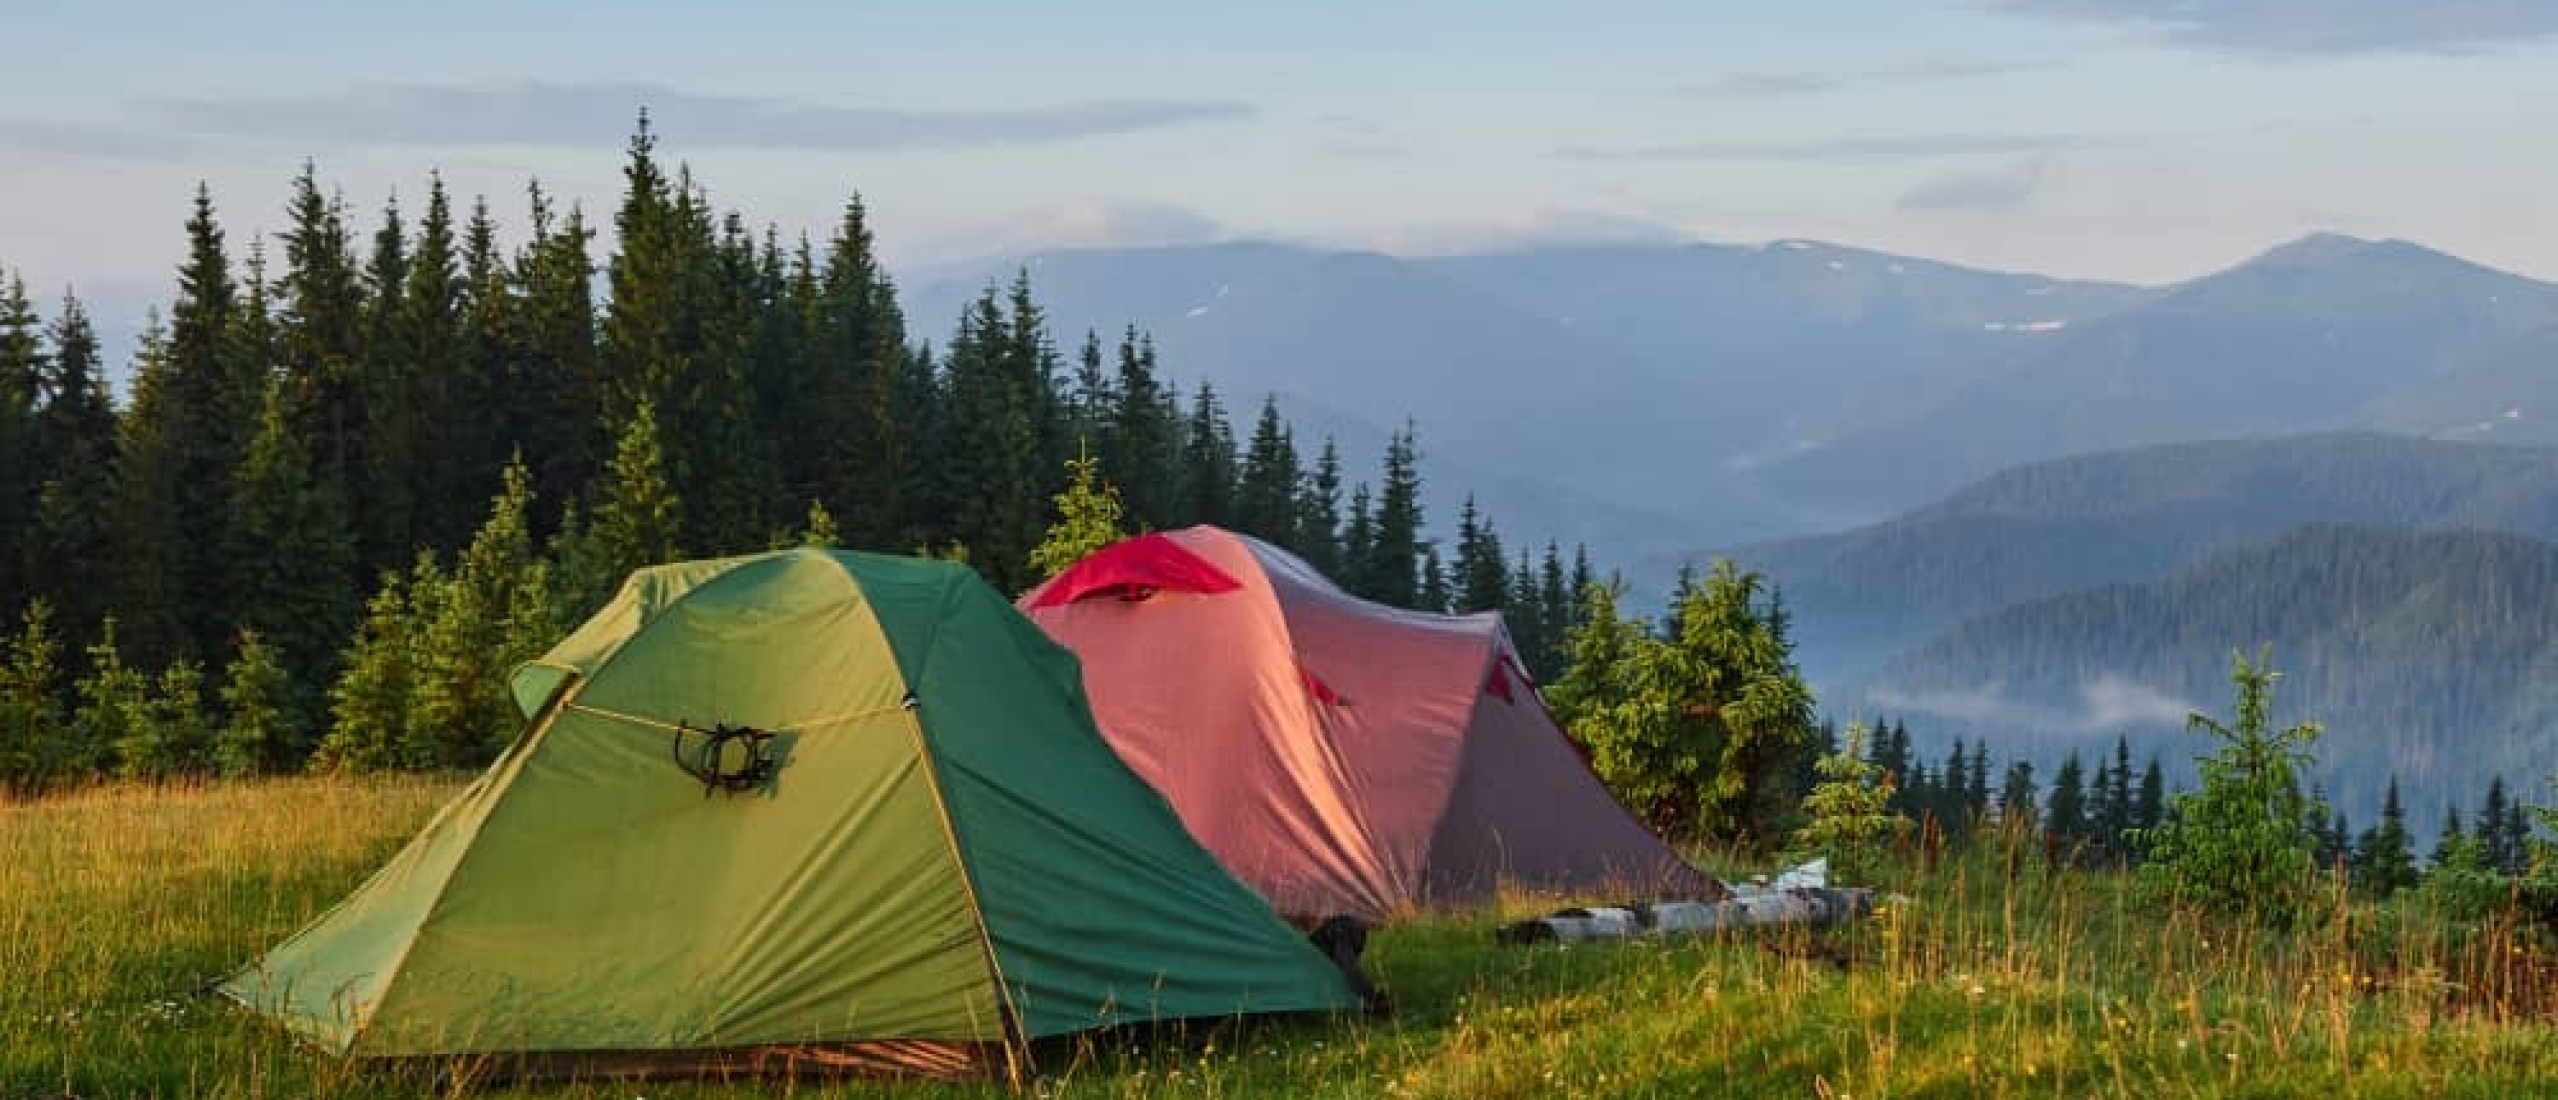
(2326, 332)
(2047, 528)
(2433, 655)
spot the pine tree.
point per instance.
(290, 557)
(2065, 814)
(557, 372)
(1482, 578)
(321, 334)
(1435, 593)
(1358, 539)
(1851, 820)
(2149, 808)
(1976, 783)
(1394, 547)
(1208, 462)
(259, 734)
(1266, 496)
(208, 407)
(415, 469)
(473, 627)
(1319, 513)
(1524, 615)
(637, 524)
(642, 355)
(2496, 846)
(866, 445)
(996, 446)
(2241, 843)
(2017, 796)
(2384, 862)
(386, 506)
(22, 372)
(1557, 599)
(151, 542)
(369, 703)
(34, 749)
(2454, 837)
(1140, 446)
(1087, 520)
(72, 556)
(475, 433)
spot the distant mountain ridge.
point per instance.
(2047, 528)
(2430, 654)
(1660, 399)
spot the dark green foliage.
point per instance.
(1319, 513)
(1266, 496)
(1207, 462)
(2242, 842)
(386, 504)
(1393, 548)
(996, 445)
(290, 562)
(35, 747)
(261, 734)
(1141, 441)
(1692, 726)
(150, 540)
(556, 380)
(2017, 797)
(2384, 862)
(22, 373)
(1435, 594)
(1482, 574)
(2065, 815)
(71, 545)
(320, 340)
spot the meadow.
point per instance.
(1989, 975)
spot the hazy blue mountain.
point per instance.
(2430, 654)
(2325, 332)
(2047, 528)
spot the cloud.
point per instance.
(1092, 223)
(533, 112)
(1762, 85)
(2000, 191)
(91, 140)
(1765, 85)
(1860, 147)
(1528, 229)
(2319, 26)
(2105, 704)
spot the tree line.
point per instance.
(359, 476)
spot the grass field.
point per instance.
(116, 906)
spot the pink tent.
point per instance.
(1341, 756)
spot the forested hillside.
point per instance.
(368, 465)
(2430, 655)
(2052, 527)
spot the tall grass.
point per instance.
(1993, 978)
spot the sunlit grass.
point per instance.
(1994, 978)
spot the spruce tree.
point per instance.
(320, 338)
(557, 373)
(477, 406)
(1140, 449)
(642, 354)
(1087, 520)
(1207, 462)
(369, 702)
(2065, 813)
(1525, 617)
(22, 371)
(1266, 496)
(1358, 539)
(207, 410)
(474, 627)
(1319, 513)
(289, 557)
(2017, 796)
(996, 445)
(35, 749)
(72, 543)
(864, 444)
(1394, 547)
(1482, 578)
(2384, 861)
(260, 734)
(2453, 838)
(637, 524)
(1435, 591)
(148, 532)
(2242, 842)
(387, 504)
(2496, 846)
(1557, 601)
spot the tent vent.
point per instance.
(731, 758)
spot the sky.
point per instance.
(2142, 140)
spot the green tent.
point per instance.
(943, 863)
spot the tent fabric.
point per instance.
(947, 861)
(1341, 756)
(1134, 568)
